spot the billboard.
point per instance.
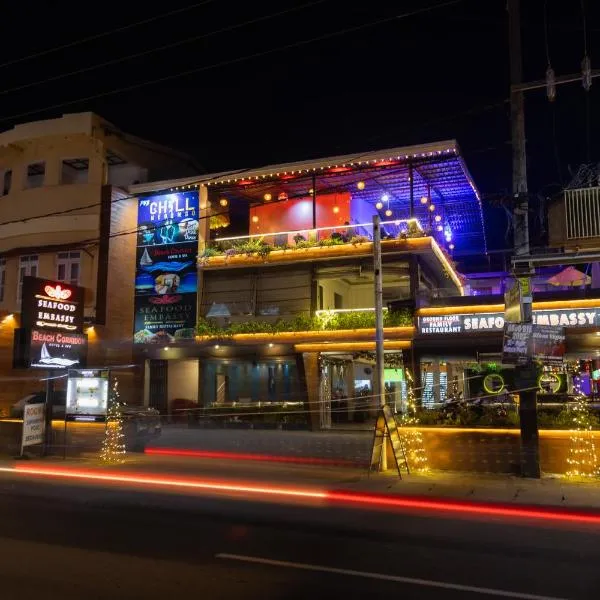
(166, 280)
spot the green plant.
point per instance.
(331, 241)
(208, 252)
(265, 250)
(298, 238)
(359, 239)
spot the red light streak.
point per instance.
(360, 500)
(300, 460)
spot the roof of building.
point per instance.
(435, 171)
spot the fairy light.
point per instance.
(223, 202)
(582, 459)
(411, 435)
(113, 446)
(360, 185)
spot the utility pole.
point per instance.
(529, 457)
(379, 354)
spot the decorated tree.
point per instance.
(412, 438)
(113, 446)
(582, 459)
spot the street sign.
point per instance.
(34, 425)
(514, 299)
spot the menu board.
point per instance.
(166, 281)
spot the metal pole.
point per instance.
(379, 355)
(314, 201)
(411, 213)
(49, 412)
(529, 455)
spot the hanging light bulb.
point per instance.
(255, 218)
(432, 207)
(424, 200)
(360, 185)
(379, 205)
(223, 202)
(388, 212)
(268, 197)
(451, 246)
(438, 218)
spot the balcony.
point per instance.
(324, 326)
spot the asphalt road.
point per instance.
(63, 541)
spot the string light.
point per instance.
(255, 218)
(451, 246)
(438, 218)
(416, 456)
(223, 202)
(582, 460)
(388, 213)
(432, 207)
(385, 197)
(360, 185)
(268, 197)
(379, 205)
(113, 446)
(424, 200)
(440, 228)
(336, 209)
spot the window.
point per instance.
(35, 174)
(338, 301)
(6, 182)
(28, 265)
(68, 267)
(2, 278)
(320, 297)
(75, 170)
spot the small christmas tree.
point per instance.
(416, 455)
(582, 458)
(113, 446)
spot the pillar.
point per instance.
(312, 376)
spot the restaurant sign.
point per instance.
(494, 322)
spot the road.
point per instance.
(62, 541)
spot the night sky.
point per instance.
(435, 75)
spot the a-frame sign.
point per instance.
(386, 428)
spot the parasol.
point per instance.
(570, 277)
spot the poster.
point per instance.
(34, 425)
(169, 269)
(166, 279)
(516, 348)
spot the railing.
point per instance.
(264, 243)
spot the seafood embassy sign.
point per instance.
(443, 324)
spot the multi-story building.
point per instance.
(285, 300)
(65, 215)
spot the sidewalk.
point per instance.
(502, 489)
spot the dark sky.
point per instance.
(435, 75)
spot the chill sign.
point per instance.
(448, 324)
(51, 305)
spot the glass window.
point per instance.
(68, 267)
(28, 266)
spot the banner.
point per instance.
(526, 341)
(166, 279)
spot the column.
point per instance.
(312, 376)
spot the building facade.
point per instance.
(64, 215)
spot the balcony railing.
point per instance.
(263, 244)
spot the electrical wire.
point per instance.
(233, 61)
(103, 34)
(156, 49)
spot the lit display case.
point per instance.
(87, 395)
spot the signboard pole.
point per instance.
(526, 376)
(49, 411)
(379, 354)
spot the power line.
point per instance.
(103, 34)
(143, 53)
(232, 61)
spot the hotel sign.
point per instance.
(494, 322)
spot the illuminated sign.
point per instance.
(51, 305)
(494, 322)
(58, 292)
(87, 395)
(166, 277)
(44, 349)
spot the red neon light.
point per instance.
(57, 292)
(300, 460)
